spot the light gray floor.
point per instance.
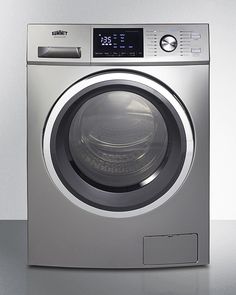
(18, 279)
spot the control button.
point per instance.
(168, 43)
(195, 36)
(196, 50)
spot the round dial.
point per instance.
(168, 43)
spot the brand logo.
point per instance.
(59, 33)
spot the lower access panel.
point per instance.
(170, 249)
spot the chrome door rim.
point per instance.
(94, 82)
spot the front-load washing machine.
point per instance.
(118, 145)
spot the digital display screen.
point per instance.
(125, 42)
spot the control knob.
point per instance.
(168, 43)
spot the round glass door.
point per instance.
(118, 139)
(118, 142)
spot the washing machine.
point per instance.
(118, 145)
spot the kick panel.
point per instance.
(170, 249)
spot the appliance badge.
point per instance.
(59, 34)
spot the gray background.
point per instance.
(14, 16)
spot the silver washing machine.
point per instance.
(118, 145)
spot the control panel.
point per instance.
(183, 41)
(118, 44)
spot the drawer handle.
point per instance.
(59, 52)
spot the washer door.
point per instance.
(118, 142)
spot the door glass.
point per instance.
(118, 139)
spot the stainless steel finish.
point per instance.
(168, 43)
(18, 279)
(59, 52)
(185, 35)
(169, 249)
(61, 232)
(43, 36)
(102, 80)
(188, 36)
